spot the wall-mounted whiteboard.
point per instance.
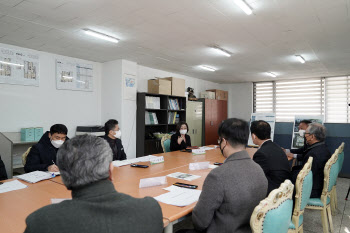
(72, 75)
(19, 67)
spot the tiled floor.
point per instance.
(312, 218)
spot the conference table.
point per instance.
(15, 206)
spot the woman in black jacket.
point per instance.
(180, 140)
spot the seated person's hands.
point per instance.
(179, 140)
(290, 156)
(53, 168)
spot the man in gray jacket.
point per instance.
(85, 163)
(232, 191)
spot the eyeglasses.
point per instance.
(307, 133)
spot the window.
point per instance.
(337, 99)
(319, 96)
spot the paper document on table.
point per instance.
(59, 200)
(183, 176)
(213, 166)
(11, 186)
(198, 151)
(36, 176)
(179, 196)
(135, 160)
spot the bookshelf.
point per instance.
(156, 113)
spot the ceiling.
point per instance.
(175, 35)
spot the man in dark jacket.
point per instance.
(269, 156)
(112, 136)
(3, 174)
(315, 136)
(42, 156)
(86, 168)
(232, 191)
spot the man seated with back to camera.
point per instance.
(315, 136)
(269, 156)
(86, 168)
(232, 191)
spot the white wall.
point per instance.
(199, 85)
(28, 106)
(240, 100)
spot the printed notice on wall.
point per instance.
(129, 87)
(72, 75)
(19, 67)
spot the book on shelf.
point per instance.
(172, 117)
(152, 102)
(174, 104)
(151, 118)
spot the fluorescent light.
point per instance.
(101, 36)
(271, 74)
(67, 77)
(161, 58)
(244, 6)
(207, 68)
(222, 51)
(11, 64)
(300, 58)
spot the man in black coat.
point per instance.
(3, 174)
(315, 136)
(112, 136)
(269, 156)
(86, 168)
(42, 156)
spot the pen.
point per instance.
(53, 162)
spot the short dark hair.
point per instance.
(261, 129)
(58, 128)
(307, 122)
(178, 126)
(109, 125)
(235, 131)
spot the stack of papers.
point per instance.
(179, 196)
(198, 151)
(36, 176)
(183, 176)
(131, 161)
(11, 186)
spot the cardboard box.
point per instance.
(220, 94)
(159, 86)
(38, 133)
(27, 134)
(178, 87)
(208, 95)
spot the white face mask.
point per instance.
(183, 131)
(301, 132)
(57, 143)
(118, 134)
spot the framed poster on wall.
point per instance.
(19, 67)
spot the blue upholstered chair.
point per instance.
(166, 143)
(273, 214)
(323, 203)
(303, 188)
(334, 201)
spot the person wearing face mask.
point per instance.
(269, 156)
(112, 136)
(181, 140)
(232, 191)
(315, 136)
(42, 156)
(302, 127)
